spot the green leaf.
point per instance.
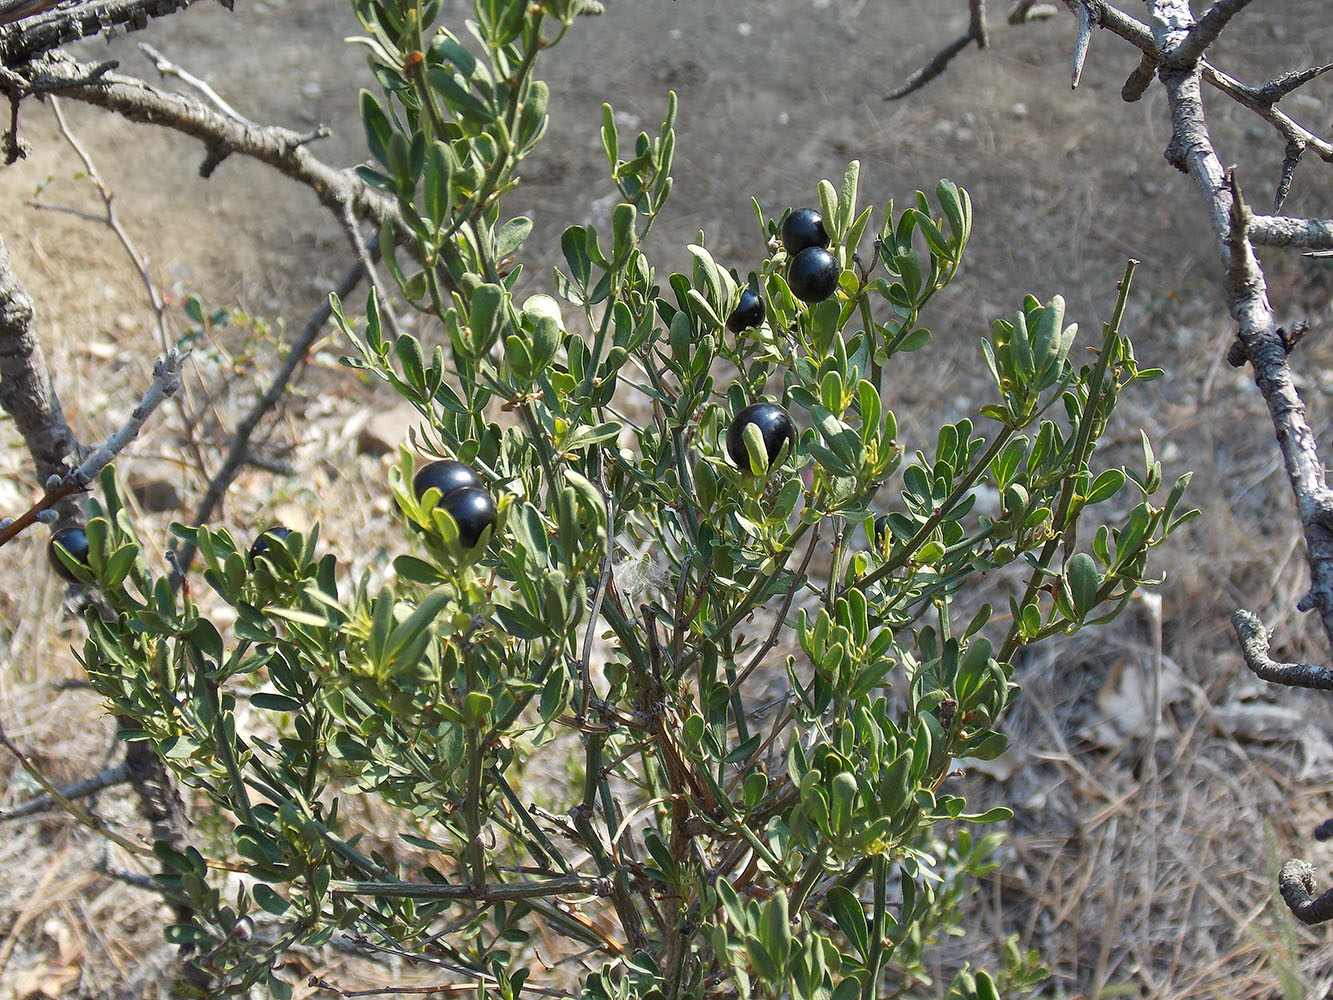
(270, 900)
(848, 912)
(511, 236)
(407, 641)
(378, 129)
(275, 702)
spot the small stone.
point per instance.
(386, 430)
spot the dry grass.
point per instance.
(1157, 786)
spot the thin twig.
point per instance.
(1254, 640)
(976, 32)
(81, 815)
(1205, 32)
(166, 380)
(112, 222)
(89, 786)
(280, 148)
(165, 67)
(41, 31)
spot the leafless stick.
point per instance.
(280, 148)
(112, 222)
(1137, 83)
(1275, 90)
(26, 392)
(1138, 34)
(165, 67)
(976, 31)
(83, 816)
(1295, 148)
(166, 380)
(1247, 300)
(1254, 641)
(90, 786)
(24, 40)
(1284, 231)
(1205, 32)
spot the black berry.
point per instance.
(775, 427)
(881, 530)
(473, 510)
(749, 312)
(813, 274)
(445, 475)
(269, 536)
(75, 542)
(802, 229)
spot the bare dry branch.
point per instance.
(1254, 640)
(1205, 32)
(82, 789)
(84, 817)
(37, 31)
(1137, 83)
(1275, 90)
(166, 380)
(976, 31)
(1284, 231)
(280, 148)
(1247, 299)
(165, 67)
(26, 392)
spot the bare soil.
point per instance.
(1157, 786)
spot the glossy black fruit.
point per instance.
(748, 312)
(473, 510)
(802, 229)
(445, 475)
(813, 275)
(269, 536)
(774, 425)
(75, 542)
(881, 530)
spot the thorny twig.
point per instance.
(43, 30)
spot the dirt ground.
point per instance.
(1143, 857)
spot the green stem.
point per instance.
(801, 891)
(222, 739)
(1098, 390)
(875, 960)
(964, 486)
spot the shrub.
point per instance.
(696, 725)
